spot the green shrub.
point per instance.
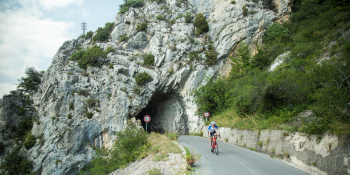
(71, 106)
(130, 3)
(91, 102)
(233, 2)
(103, 33)
(172, 21)
(123, 38)
(172, 135)
(89, 34)
(89, 115)
(83, 92)
(160, 17)
(137, 90)
(21, 111)
(179, 16)
(32, 80)
(141, 27)
(109, 49)
(30, 142)
(211, 56)
(2, 147)
(57, 161)
(111, 66)
(255, 1)
(245, 10)
(77, 55)
(269, 4)
(131, 142)
(16, 163)
(149, 60)
(274, 31)
(24, 126)
(143, 78)
(253, 12)
(188, 17)
(90, 58)
(194, 55)
(201, 24)
(69, 116)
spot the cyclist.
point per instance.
(212, 130)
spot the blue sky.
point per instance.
(31, 31)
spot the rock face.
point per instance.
(67, 93)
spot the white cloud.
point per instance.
(6, 88)
(51, 4)
(27, 39)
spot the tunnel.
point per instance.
(167, 114)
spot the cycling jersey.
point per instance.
(212, 129)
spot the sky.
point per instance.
(31, 31)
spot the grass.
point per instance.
(159, 146)
(200, 134)
(154, 171)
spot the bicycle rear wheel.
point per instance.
(216, 149)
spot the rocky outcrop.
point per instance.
(322, 154)
(67, 93)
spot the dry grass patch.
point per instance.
(159, 146)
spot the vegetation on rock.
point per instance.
(143, 78)
(103, 33)
(141, 27)
(130, 3)
(201, 24)
(252, 97)
(149, 60)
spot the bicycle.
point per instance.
(214, 145)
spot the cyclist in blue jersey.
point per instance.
(212, 130)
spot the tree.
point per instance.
(31, 82)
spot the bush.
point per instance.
(16, 163)
(211, 56)
(24, 126)
(89, 115)
(123, 38)
(274, 31)
(90, 58)
(83, 92)
(103, 33)
(160, 17)
(77, 55)
(111, 66)
(89, 34)
(233, 2)
(137, 90)
(71, 106)
(149, 60)
(194, 55)
(31, 82)
(143, 78)
(188, 17)
(269, 4)
(130, 3)
(179, 16)
(201, 24)
(30, 142)
(21, 111)
(141, 27)
(129, 146)
(91, 102)
(109, 49)
(69, 116)
(245, 11)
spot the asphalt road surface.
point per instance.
(234, 160)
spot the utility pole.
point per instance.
(83, 27)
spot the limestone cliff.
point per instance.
(167, 98)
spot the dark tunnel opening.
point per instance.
(166, 112)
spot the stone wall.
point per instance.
(325, 154)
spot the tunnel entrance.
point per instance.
(167, 114)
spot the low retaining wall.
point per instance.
(326, 154)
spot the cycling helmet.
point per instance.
(213, 123)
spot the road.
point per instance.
(234, 160)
